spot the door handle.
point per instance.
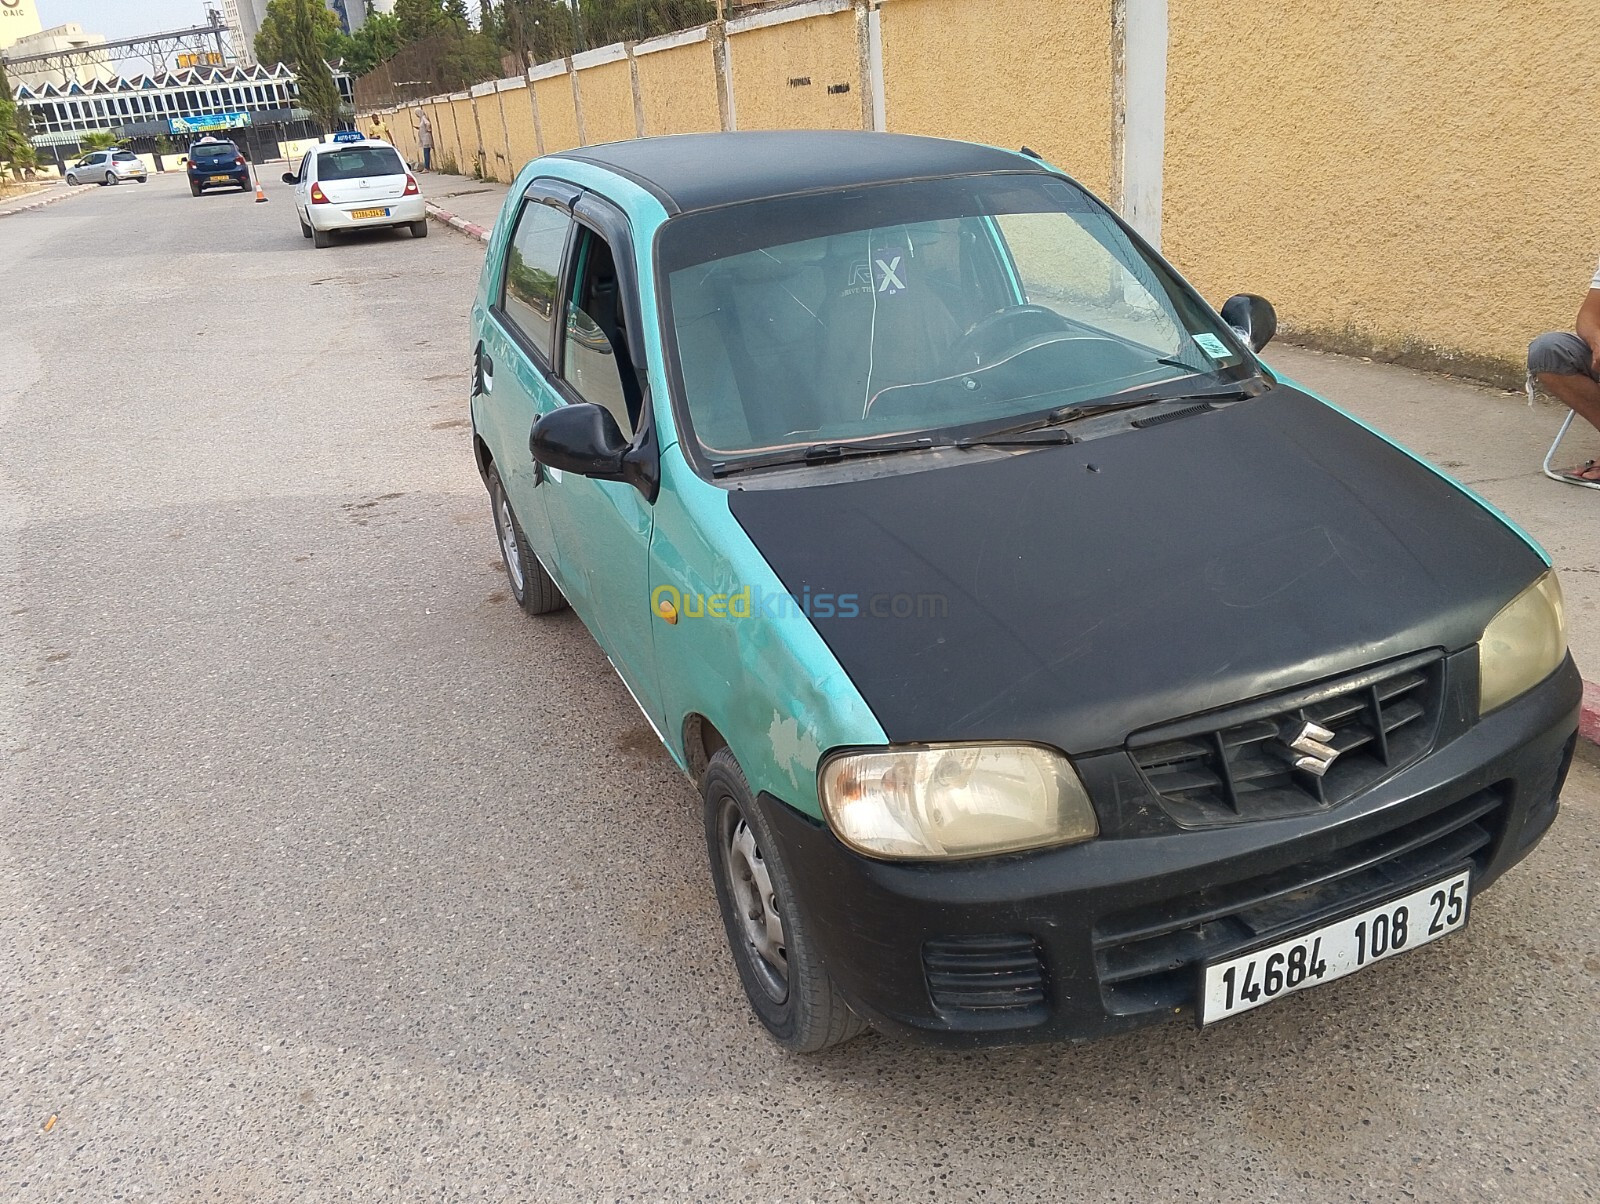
(485, 372)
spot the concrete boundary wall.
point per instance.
(1381, 173)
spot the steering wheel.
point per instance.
(990, 337)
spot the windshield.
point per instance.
(919, 307)
(358, 161)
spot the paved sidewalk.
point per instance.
(1488, 439)
(48, 195)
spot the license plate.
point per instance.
(359, 213)
(220, 180)
(1334, 950)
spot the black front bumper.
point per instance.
(1081, 942)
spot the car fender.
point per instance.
(742, 653)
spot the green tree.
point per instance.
(16, 147)
(275, 41)
(377, 39)
(419, 18)
(98, 140)
(319, 95)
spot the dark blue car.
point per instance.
(216, 163)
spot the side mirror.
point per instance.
(1252, 318)
(581, 438)
(289, 177)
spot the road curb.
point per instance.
(61, 192)
(1588, 713)
(470, 229)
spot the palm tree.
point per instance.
(98, 140)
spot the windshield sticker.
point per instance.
(888, 270)
(1213, 346)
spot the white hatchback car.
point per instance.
(355, 184)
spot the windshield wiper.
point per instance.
(1033, 436)
(820, 453)
(1132, 400)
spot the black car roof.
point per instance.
(700, 171)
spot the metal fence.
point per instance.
(521, 34)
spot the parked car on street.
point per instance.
(1048, 665)
(355, 183)
(216, 163)
(105, 167)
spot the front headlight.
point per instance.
(954, 800)
(1522, 645)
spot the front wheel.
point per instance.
(533, 588)
(782, 972)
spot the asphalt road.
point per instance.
(327, 875)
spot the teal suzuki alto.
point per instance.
(1046, 664)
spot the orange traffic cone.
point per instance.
(256, 176)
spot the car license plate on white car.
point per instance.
(1334, 950)
(360, 213)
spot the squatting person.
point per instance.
(1568, 366)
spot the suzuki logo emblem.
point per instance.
(1311, 742)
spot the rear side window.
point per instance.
(533, 270)
(358, 161)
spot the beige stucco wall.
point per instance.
(1400, 177)
(679, 88)
(821, 49)
(519, 119)
(556, 114)
(607, 92)
(1008, 72)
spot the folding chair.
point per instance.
(1551, 455)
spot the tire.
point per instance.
(321, 238)
(194, 189)
(111, 180)
(143, 179)
(783, 976)
(305, 230)
(419, 229)
(531, 586)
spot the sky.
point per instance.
(124, 18)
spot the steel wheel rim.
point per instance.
(755, 901)
(508, 544)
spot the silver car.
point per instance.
(104, 167)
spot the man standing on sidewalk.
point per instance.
(1568, 366)
(425, 139)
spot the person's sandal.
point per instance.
(1574, 476)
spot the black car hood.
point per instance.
(1073, 594)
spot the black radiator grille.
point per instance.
(1147, 959)
(1240, 764)
(1002, 973)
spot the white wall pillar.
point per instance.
(1139, 116)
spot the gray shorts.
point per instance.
(1560, 353)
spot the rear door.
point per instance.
(355, 175)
